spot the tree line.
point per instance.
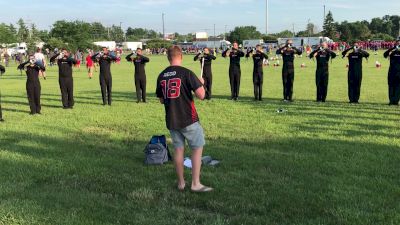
(81, 35)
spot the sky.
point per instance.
(188, 16)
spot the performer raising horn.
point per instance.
(394, 73)
(234, 69)
(288, 51)
(33, 87)
(205, 62)
(65, 63)
(140, 73)
(258, 74)
(322, 54)
(355, 71)
(105, 59)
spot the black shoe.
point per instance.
(65, 107)
(1, 120)
(137, 101)
(32, 113)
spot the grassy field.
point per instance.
(331, 163)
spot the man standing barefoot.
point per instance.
(174, 89)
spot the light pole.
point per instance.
(163, 25)
(266, 18)
(214, 36)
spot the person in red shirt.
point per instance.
(174, 89)
(89, 65)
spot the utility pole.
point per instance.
(163, 25)
(214, 37)
(324, 13)
(225, 33)
(293, 29)
(266, 18)
(309, 31)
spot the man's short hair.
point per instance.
(38, 49)
(63, 49)
(173, 52)
(258, 45)
(138, 49)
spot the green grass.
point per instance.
(330, 163)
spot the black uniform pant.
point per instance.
(1, 113)
(258, 78)
(106, 85)
(207, 76)
(234, 78)
(287, 81)
(321, 80)
(67, 91)
(354, 83)
(140, 83)
(33, 91)
(394, 88)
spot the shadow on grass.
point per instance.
(90, 177)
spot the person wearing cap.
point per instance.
(140, 73)
(65, 63)
(105, 59)
(288, 53)
(33, 88)
(354, 79)
(323, 54)
(2, 70)
(394, 73)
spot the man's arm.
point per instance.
(196, 57)
(264, 55)
(200, 93)
(333, 54)
(53, 59)
(22, 65)
(95, 56)
(387, 53)
(345, 52)
(312, 54)
(297, 51)
(144, 59)
(40, 66)
(71, 60)
(365, 54)
(224, 53)
(128, 57)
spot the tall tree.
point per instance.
(7, 34)
(329, 26)
(23, 31)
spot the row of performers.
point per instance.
(322, 54)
